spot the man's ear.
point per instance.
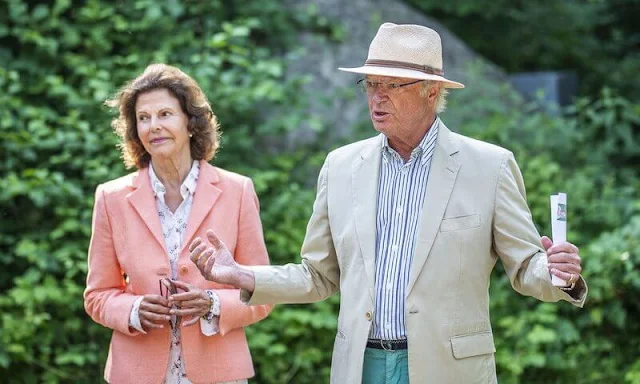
(433, 91)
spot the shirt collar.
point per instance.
(421, 151)
(187, 188)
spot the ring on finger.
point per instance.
(572, 278)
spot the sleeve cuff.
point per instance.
(134, 317)
(579, 291)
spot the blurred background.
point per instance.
(555, 81)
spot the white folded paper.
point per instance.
(558, 227)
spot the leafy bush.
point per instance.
(59, 61)
(599, 39)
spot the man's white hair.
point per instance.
(441, 98)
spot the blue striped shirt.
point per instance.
(401, 192)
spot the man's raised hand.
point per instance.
(217, 264)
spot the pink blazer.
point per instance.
(127, 257)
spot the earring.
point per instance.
(191, 135)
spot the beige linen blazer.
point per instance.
(475, 212)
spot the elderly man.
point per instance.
(408, 226)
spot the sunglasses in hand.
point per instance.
(169, 289)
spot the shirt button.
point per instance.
(387, 326)
(394, 248)
(184, 269)
(368, 315)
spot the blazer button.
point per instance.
(368, 315)
(183, 270)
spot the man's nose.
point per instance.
(379, 93)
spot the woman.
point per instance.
(141, 282)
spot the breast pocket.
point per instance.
(459, 223)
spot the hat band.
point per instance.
(405, 65)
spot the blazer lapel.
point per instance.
(365, 174)
(204, 198)
(442, 177)
(144, 202)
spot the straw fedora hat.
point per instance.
(405, 50)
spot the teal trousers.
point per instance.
(385, 367)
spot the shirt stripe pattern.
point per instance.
(401, 192)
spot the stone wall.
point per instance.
(335, 98)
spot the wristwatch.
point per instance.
(214, 307)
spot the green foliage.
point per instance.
(59, 60)
(597, 38)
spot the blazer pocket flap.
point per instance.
(461, 222)
(473, 344)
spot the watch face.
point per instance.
(214, 307)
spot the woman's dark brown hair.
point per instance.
(203, 123)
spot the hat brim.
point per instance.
(401, 72)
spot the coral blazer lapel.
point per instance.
(207, 194)
(144, 203)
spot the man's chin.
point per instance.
(380, 127)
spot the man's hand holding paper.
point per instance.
(564, 260)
